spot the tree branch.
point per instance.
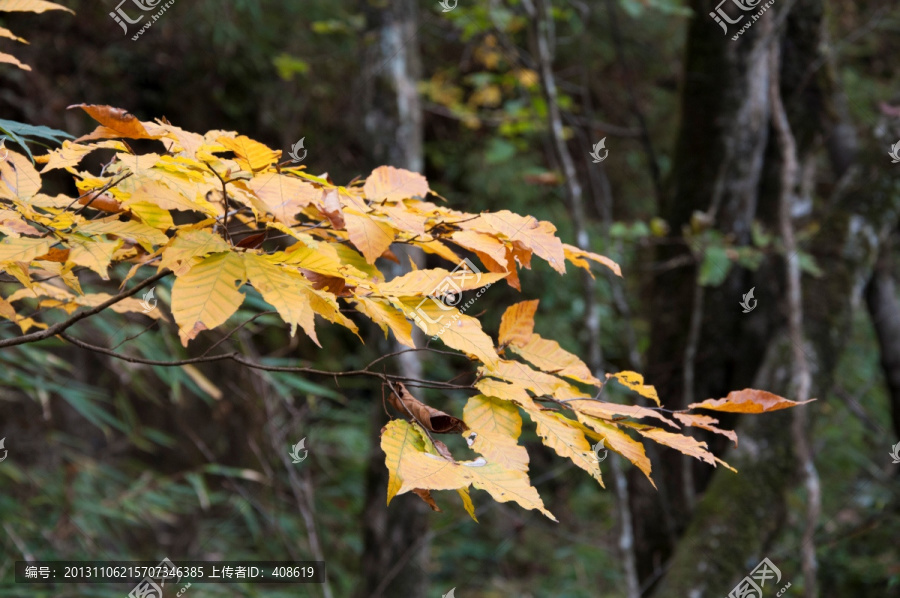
(61, 326)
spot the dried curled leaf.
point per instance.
(432, 419)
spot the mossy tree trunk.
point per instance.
(727, 166)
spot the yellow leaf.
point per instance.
(136, 232)
(550, 357)
(372, 237)
(398, 437)
(507, 392)
(539, 383)
(18, 178)
(438, 249)
(480, 243)
(283, 195)
(152, 215)
(206, 296)
(564, 436)
(160, 194)
(71, 154)
(748, 400)
(188, 247)
(606, 410)
(124, 306)
(635, 382)
(404, 219)
(23, 249)
(41, 289)
(30, 6)
(615, 439)
(322, 259)
(286, 290)
(517, 324)
(394, 184)
(504, 484)
(437, 282)
(576, 256)
(12, 224)
(467, 502)
(705, 422)
(457, 330)
(95, 254)
(10, 59)
(383, 314)
(494, 429)
(251, 155)
(4, 32)
(685, 444)
(413, 468)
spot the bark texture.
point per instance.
(395, 537)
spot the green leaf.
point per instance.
(715, 267)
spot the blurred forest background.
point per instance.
(499, 104)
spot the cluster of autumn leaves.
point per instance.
(221, 213)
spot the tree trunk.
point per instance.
(740, 514)
(396, 540)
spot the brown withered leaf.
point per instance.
(54, 255)
(432, 419)
(748, 400)
(426, 496)
(253, 241)
(331, 205)
(323, 282)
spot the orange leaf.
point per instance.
(576, 256)
(426, 496)
(115, 122)
(517, 324)
(635, 382)
(394, 184)
(372, 237)
(748, 401)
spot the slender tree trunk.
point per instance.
(542, 19)
(396, 540)
(740, 514)
(884, 309)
